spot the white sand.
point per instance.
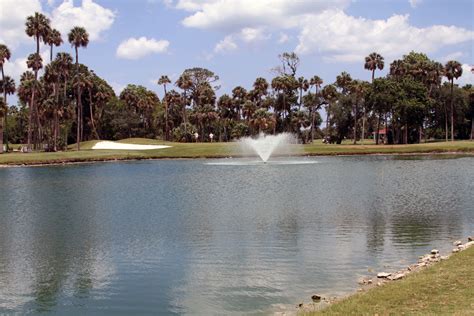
(124, 146)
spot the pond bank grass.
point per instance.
(445, 288)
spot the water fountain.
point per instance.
(265, 145)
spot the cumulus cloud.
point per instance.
(467, 75)
(93, 17)
(283, 38)
(225, 45)
(452, 56)
(234, 15)
(136, 48)
(414, 3)
(323, 27)
(15, 67)
(13, 15)
(346, 38)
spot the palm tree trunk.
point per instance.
(355, 123)
(472, 127)
(312, 124)
(94, 130)
(6, 113)
(79, 106)
(405, 137)
(452, 111)
(446, 121)
(77, 56)
(327, 123)
(377, 132)
(51, 54)
(363, 127)
(30, 120)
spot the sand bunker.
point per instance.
(124, 146)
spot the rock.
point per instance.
(444, 257)
(360, 290)
(455, 250)
(470, 238)
(369, 281)
(383, 275)
(461, 247)
(457, 243)
(434, 251)
(316, 298)
(397, 276)
(469, 244)
(300, 305)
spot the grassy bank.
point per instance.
(445, 288)
(216, 150)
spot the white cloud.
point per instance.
(15, 67)
(452, 56)
(283, 38)
(136, 48)
(323, 27)
(415, 3)
(13, 15)
(250, 35)
(346, 38)
(90, 15)
(234, 15)
(225, 45)
(467, 75)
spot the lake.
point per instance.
(185, 237)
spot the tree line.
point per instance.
(69, 103)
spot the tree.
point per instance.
(452, 70)
(38, 27)
(329, 94)
(53, 38)
(4, 56)
(78, 37)
(164, 80)
(372, 62)
(289, 64)
(314, 102)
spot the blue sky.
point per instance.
(138, 41)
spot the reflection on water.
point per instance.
(186, 237)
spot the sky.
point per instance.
(135, 42)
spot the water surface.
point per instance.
(185, 237)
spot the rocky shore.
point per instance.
(319, 302)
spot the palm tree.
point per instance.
(4, 56)
(452, 70)
(260, 86)
(78, 37)
(372, 62)
(317, 82)
(79, 83)
(53, 39)
(35, 62)
(164, 80)
(329, 94)
(303, 85)
(7, 86)
(398, 68)
(185, 83)
(38, 27)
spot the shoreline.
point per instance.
(380, 279)
(79, 161)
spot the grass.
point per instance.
(445, 288)
(217, 150)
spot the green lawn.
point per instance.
(446, 288)
(216, 150)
